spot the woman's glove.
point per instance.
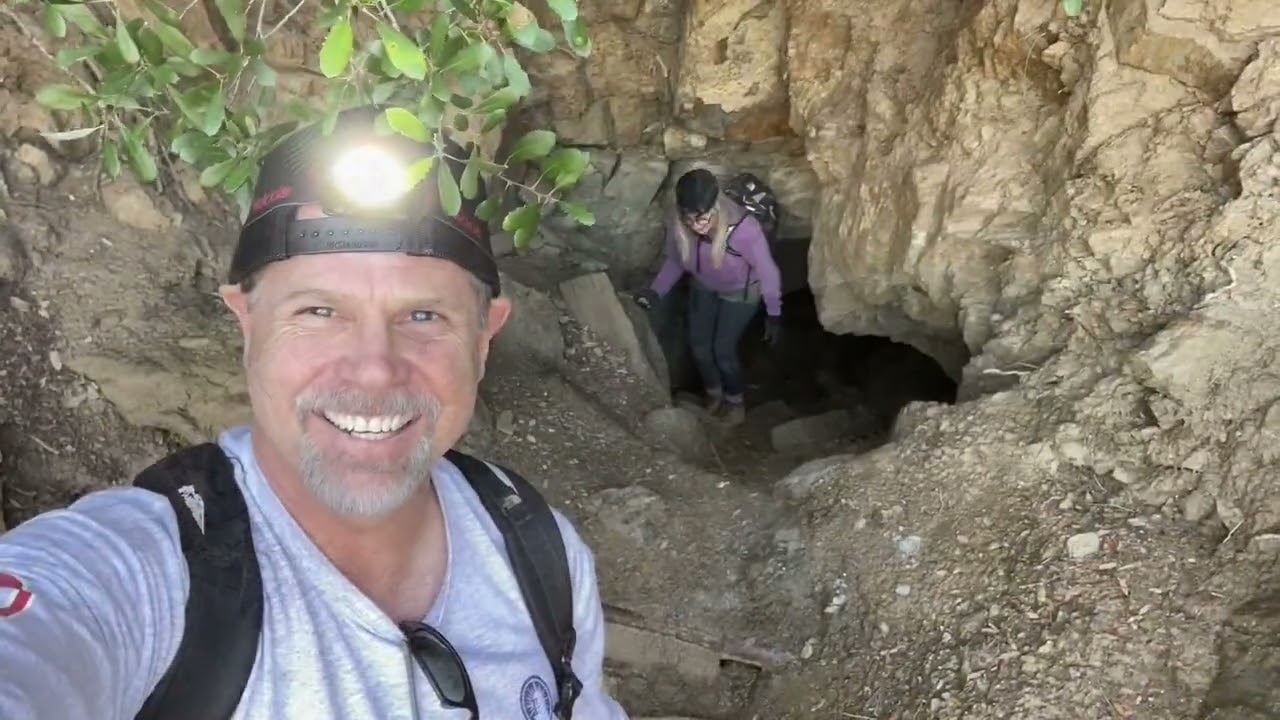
(773, 330)
(646, 298)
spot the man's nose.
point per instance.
(372, 361)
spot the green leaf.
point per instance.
(567, 166)
(439, 35)
(193, 145)
(144, 166)
(110, 159)
(232, 12)
(149, 43)
(517, 78)
(163, 13)
(407, 124)
(534, 39)
(486, 209)
(495, 119)
(124, 41)
(71, 134)
(262, 72)
(470, 58)
(67, 57)
(207, 57)
(533, 144)
(62, 97)
(522, 236)
(470, 183)
(244, 170)
(185, 67)
(564, 9)
(499, 101)
(578, 212)
(336, 51)
(575, 33)
(450, 200)
(403, 53)
(82, 17)
(431, 110)
(522, 217)
(216, 173)
(54, 23)
(419, 170)
(214, 114)
(173, 39)
(1072, 8)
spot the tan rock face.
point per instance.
(731, 73)
(986, 179)
(621, 95)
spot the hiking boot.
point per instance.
(713, 404)
(734, 414)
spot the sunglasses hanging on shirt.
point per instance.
(442, 666)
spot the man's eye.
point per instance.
(423, 315)
(322, 312)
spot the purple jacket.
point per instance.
(746, 261)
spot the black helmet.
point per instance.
(697, 191)
(311, 167)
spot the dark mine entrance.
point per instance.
(813, 371)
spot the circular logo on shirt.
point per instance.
(535, 699)
(14, 596)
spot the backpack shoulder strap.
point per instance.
(224, 609)
(538, 558)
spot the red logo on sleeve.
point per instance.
(14, 596)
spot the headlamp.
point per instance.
(377, 193)
(368, 177)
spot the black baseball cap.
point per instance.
(301, 170)
(697, 191)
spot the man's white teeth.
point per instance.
(370, 425)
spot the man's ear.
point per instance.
(499, 311)
(237, 300)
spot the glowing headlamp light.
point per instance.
(368, 176)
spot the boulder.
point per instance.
(620, 187)
(592, 300)
(532, 332)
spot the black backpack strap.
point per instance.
(224, 609)
(539, 561)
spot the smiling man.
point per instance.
(336, 558)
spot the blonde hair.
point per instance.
(687, 243)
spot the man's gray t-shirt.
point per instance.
(92, 600)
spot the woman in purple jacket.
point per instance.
(724, 248)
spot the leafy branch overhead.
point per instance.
(152, 96)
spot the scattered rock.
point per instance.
(805, 434)
(1083, 545)
(681, 430)
(39, 163)
(506, 423)
(129, 203)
